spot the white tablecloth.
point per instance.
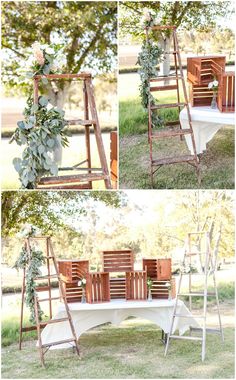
(206, 122)
(87, 316)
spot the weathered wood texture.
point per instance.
(226, 94)
(97, 287)
(158, 269)
(118, 260)
(160, 291)
(201, 70)
(117, 287)
(113, 159)
(73, 270)
(136, 285)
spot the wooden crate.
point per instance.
(113, 158)
(118, 261)
(163, 269)
(160, 291)
(97, 287)
(202, 69)
(200, 95)
(226, 93)
(117, 287)
(150, 266)
(73, 291)
(73, 270)
(136, 285)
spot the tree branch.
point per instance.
(14, 50)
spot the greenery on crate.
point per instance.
(31, 261)
(43, 129)
(148, 59)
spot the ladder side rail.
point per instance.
(189, 275)
(62, 292)
(185, 91)
(87, 130)
(97, 130)
(176, 72)
(22, 310)
(206, 269)
(49, 280)
(36, 312)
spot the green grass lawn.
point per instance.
(216, 163)
(131, 351)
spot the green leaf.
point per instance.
(29, 74)
(46, 69)
(54, 169)
(31, 176)
(43, 101)
(50, 143)
(41, 149)
(17, 162)
(21, 124)
(44, 80)
(34, 108)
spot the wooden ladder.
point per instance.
(209, 259)
(87, 175)
(172, 131)
(50, 257)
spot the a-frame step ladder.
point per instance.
(85, 176)
(208, 262)
(49, 277)
(173, 128)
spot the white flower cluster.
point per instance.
(148, 16)
(168, 285)
(82, 282)
(28, 230)
(39, 52)
(213, 85)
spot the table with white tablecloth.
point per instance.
(206, 121)
(86, 316)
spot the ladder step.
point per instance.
(161, 78)
(208, 330)
(59, 342)
(168, 105)
(42, 288)
(163, 88)
(173, 160)
(85, 123)
(46, 277)
(197, 294)
(170, 133)
(51, 321)
(48, 299)
(189, 316)
(185, 337)
(73, 178)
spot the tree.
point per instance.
(188, 15)
(87, 30)
(49, 210)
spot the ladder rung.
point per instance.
(168, 105)
(85, 123)
(161, 78)
(189, 316)
(170, 133)
(59, 342)
(172, 52)
(72, 178)
(173, 160)
(51, 321)
(185, 337)
(163, 88)
(208, 330)
(47, 277)
(195, 254)
(42, 288)
(48, 299)
(197, 294)
(49, 257)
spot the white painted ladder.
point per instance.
(209, 259)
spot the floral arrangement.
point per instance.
(187, 268)
(213, 85)
(82, 283)
(43, 129)
(148, 59)
(30, 260)
(149, 283)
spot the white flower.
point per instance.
(38, 53)
(210, 85)
(84, 281)
(215, 83)
(79, 283)
(147, 14)
(49, 50)
(157, 20)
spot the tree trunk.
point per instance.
(165, 64)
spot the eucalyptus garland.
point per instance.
(31, 261)
(43, 128)
(148, 59)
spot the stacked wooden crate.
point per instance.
(200, 72)
(71, 272)
(159, 270)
